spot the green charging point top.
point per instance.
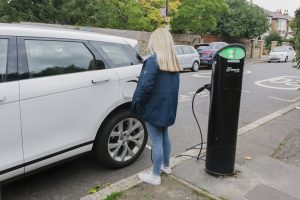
(233, 53)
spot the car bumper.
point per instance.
(206, 61)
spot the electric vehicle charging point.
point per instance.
(225, 95)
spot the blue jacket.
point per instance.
(156, 95)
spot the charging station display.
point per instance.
(226, 87)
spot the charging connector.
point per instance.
(207, 87)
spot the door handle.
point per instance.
(2, 98)
(95, 81)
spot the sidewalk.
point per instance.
(257, 60)
(267, 168)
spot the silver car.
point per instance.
(188, 57)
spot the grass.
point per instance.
(113, 196)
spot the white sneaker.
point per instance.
(166, 170)
(149, 178)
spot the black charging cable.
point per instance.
(208, 87)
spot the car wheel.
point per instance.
(269, 61)
(293, 60)
(121, 141)
(195, 66)
(286, 59)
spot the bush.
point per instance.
(274, 36)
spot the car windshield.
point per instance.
(279, 49)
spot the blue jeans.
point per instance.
(161, 147)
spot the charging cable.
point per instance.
(208, 87)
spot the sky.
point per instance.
(273, 5)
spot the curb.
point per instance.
(131, 181)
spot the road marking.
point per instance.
(291, 101)
(208, 74)
(131, 181)
(148, 146)
(281, 83)
(245, 91)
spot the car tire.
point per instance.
(269, 61)
(195, 66)
(286, 59)
(294, 59)
(121, 141)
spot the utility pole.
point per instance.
(167, 17)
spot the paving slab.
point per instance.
(265, 170)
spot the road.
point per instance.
(267, 87)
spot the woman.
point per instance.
(156, 99)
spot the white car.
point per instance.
(282, 54)
(188, 57)
(63, 93)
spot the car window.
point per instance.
(116, 53)
(179, 50)
(280, 49)
(47, 58)
(291, 49)
(203, 48)
(186, 50)
(3, 59)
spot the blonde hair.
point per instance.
(161, 43)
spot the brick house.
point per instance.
(280, 22)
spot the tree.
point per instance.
(245, 20)
(296, 27)
(198, 16)
(151, 8)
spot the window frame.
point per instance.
(11, 63)
(107, 58)
(23, 71)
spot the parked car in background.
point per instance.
(188, 57)
(282, 54)
(63, 93)
(207, 52)
(201, 46)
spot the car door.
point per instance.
(125, 62)
(11, 151)
(180, 56)
(188, 56)
(65, 92)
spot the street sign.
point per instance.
(163, 12)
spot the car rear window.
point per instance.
(46, 58)
(203, 48)
(187, 50)
(3, 59)
(178, 50)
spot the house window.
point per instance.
(282, 23)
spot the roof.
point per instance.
(278, 15)
(50, 32)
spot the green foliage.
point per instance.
(119, 14)
(296, 28)
(113, 196)
(198, 16)
(245, 20)
(274, 36)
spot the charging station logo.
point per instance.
(234, 70)
(281, 83)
